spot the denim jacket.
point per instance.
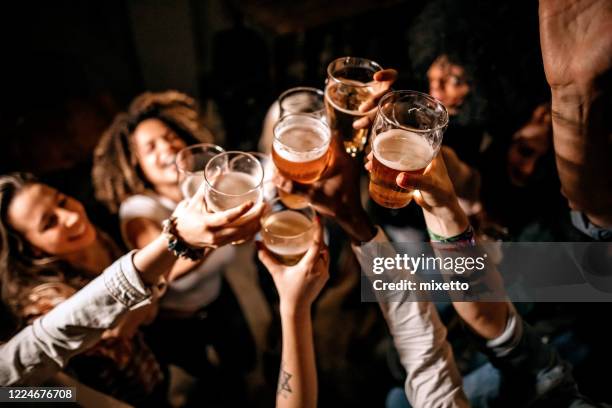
(45, 346)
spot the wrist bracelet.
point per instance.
(465, 238)
(176, 245)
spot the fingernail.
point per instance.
(403, 178)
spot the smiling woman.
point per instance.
(48, 251)
(135, 175)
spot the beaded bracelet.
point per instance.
(465, 238)
(176, 245)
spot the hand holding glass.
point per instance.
(406, 136)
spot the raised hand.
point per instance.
(199, 227)
(299, 285)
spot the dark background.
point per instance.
(70, 66)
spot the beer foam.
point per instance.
(402, 150)
(301, 143)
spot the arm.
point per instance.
(444, 217)
(432, 377)
(74, 325)
(576, 50)
(298, 286)
(78, 323)
(141, 231)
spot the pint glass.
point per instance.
(302, 99)
(232, 178)
(300, 149)
(287, 232)
(350, 82)
(406, 136)
(190, 164)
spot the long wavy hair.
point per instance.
(116, 174)
(20, 268)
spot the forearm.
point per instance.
(183, 266)
(72, 326)
(487, 319)
(154, 260)
(297, 381)
(432, 378)
(581, 133)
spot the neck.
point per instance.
(170, 191)
(93, 258)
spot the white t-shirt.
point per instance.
(199, 287)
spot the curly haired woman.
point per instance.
(134, 175)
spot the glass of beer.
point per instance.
(350, 82)
(233, 178)
(190, 163)
(302, 99)
(406, 136)
(287, 232)
(300, 149)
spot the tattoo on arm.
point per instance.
(283, 382)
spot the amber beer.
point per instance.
(395, 151)
(300, 149)
(287, 234)
(350, 83)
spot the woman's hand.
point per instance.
(201, 228)
(436, 196)
(336, 194)
(384, 79)
(300, 284)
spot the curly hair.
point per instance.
(116, 174)
(20, 269)
(444, 28)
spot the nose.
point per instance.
(70, 218)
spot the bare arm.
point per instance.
(298, 286)
(142, 231)
(577, 55)
(444, 217)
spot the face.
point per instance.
(529, 144)
(448, 83)
(50, 221)
(156, 147)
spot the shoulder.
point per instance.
(143, 206)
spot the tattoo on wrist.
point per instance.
(284, 387)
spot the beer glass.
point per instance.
(406, 136)
(300, 149)
(287, 232)
(302, 100)
(190, 163)
(350, 82)
(233, 178)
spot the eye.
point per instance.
(50, 223)
(456, 81)
(63, 200)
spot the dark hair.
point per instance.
(20, 269)
(116, 174)
(444, 28)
